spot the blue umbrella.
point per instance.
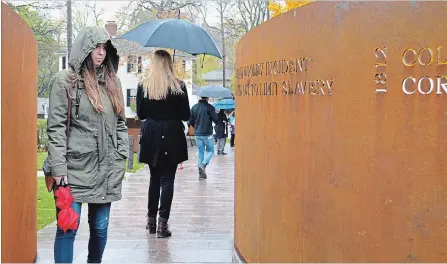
(214, 91)
(175, 34)
(225, 104)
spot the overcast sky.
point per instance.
(111, 7)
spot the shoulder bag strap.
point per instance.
(69, 91)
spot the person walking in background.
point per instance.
(91, 156)
(221, 132)
(162, 101)
(232, 120)
(203, 115)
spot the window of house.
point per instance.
(183, 65)
(131, 96)
(140, 64)
(134, 64)
(64, 62)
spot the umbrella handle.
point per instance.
(62, 183)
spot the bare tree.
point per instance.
(267, 10)
(140, 11)
(43, 5)
(224, 9)
(69, 27)
(167, 8)
(130, 16)
(85, 13)
(45, 30)
(97, 13)
(252, 13)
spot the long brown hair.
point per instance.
(160, 78)
(88, 73)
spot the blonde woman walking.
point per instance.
(162, 102)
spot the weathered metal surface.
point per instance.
(354, 168)
(19, 140)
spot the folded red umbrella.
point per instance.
(67, 218)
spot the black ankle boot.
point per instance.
(151, 225)
(163, 230)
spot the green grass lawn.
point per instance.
(41, 156)
(46, 210)
(136, 165)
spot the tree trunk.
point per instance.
(223, 43)
(69, 28)
(268, 11)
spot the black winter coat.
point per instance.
(162, 138)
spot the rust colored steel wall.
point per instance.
(19, 140)
(335, 161)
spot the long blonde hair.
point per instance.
(160, 78)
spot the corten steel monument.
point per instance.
(342, 135)
(18, 139)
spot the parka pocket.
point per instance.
(116, 174)
(83, 169)
(118, 154)
(80, 144)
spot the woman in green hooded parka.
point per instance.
(91, 156)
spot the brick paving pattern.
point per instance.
(201, 220)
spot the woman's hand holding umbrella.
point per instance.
(58, 179)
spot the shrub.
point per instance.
(42, 138)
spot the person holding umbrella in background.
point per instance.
(226, 104)
(232, 120)
(202, 116)
(221, 132)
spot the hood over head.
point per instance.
(86, 41)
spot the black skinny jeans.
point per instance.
(162, 177)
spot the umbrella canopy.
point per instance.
(176, 34)
(214, 91)
(225, 104)
(67, 218)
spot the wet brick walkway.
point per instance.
(201, 220)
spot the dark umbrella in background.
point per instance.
(225, 104)
(177, 34)
(214, 91)
(67, 218)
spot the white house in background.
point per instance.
(42, 108)
(216, 78)
(133, 62)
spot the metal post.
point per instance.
(130, 159)
(139, 149)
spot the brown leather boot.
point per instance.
(151, 225)
(163, 230)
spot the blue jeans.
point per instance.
(98, 220)
(205, 144)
